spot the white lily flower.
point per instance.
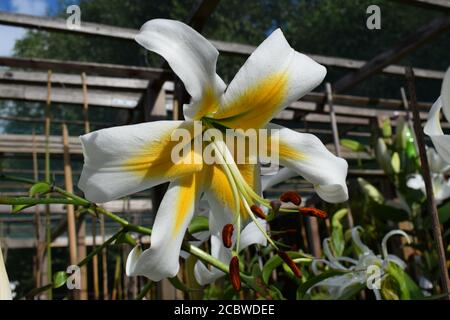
(438, 170)
(123, 160)
(355, 272)
(433, 127)
(5, 290)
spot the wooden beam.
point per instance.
(409, 44)
(64, 79)
(91, 68)
(100, 98)
(95, 29)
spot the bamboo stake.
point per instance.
(71, 224)
(47, 179)
(432, 209)
(37, 220)
(104, 260)
(81, 237)
(337, 144)
(116, 288)
(87, 129)
(95, 276)
(87, 126)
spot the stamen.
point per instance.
(227, 233)
(275, 205)
(291, 264)
(313, 212)
(291, 196)
(235, 277)
(258, 211)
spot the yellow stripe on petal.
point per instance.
(256, 105)
(155, 158)
(218, 185)
(185, 200)
(207, 105)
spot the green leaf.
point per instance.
(198, 224)
(175, 281)
(302, 289)
(395, 162)
(275, 293)
(408, 288)
(352, 145)
(16, 208)
(370, 191)
(444, 212)
(337, 233)
(351, 291)
(387, 212)
(59, 279)
(39, 188)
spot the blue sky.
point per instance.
(9, 35)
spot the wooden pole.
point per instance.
(87, 129)
(71, 224)
(87, 126)
(37, 221)
(432, 209)
(337, 144)
(104, 260)
(81, 237)
(48, 226)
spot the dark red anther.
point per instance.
(235, 277)
(291, 264)
(291, 196)
(227, 233)
(313, 212)
(257, 211)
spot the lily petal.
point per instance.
(252, 235)
(123, 160)
(219, 194)
(415, 181)
(5, 290)
(274, 76)
(433, 129)
(161, 260)
(281, 176)
(437, 163)
(445, 93)
(305, 154)
(205, 276)
(191, 57)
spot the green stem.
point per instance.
(35, 201)
(148, 286)
(93, 208)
